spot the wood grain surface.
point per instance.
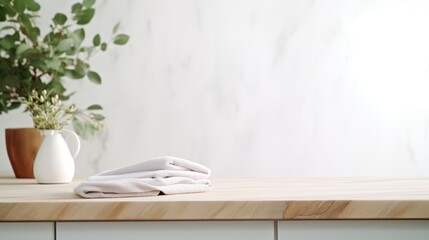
(229, 199)
(22, 145)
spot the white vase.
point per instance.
(54, 162)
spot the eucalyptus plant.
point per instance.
(32, 61)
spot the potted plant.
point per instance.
(31, 61)
(54, 162)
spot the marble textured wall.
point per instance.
(261, 88)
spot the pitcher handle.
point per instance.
(76, 142)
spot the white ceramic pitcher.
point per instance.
(54, 162)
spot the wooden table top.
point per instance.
(229, 199)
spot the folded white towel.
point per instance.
(167, 175)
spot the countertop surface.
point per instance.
(229, 199)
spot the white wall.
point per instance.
(261, 87)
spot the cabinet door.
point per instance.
(27, 231)
(187, 230)
(354, 230)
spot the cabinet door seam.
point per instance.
(276, 230)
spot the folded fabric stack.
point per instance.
(163, 175)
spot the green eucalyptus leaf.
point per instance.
(21, 48)
(56, 88)
(83, 65)
(103, 46)
(32, 5)
(80, 69)
(88, 50)
(31, 53)
(71, 51)
(94, 77)
(34, 33)
(65, 45)
(19, 5)
(88, 3)
(54, 64)
(2, 15)
(27, 27)
(25, 19)
(121, 39)
(96, 40)
(72, 74)
(8, 28)
(94, 107)
(36, 30)
(7, 42)
(67, 61)
(9, 11)
(85, 16)
(60, 19)
(76, 8)
(78, 36)
(98, 117)
(77, 73)
(79, 128)
(48, 38)
(83, 129)
(116, 28)
(38, 63)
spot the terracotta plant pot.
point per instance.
(22, 145)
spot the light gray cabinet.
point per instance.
(27, 231)
(165, 230)
(354, 230)
(214, 230)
